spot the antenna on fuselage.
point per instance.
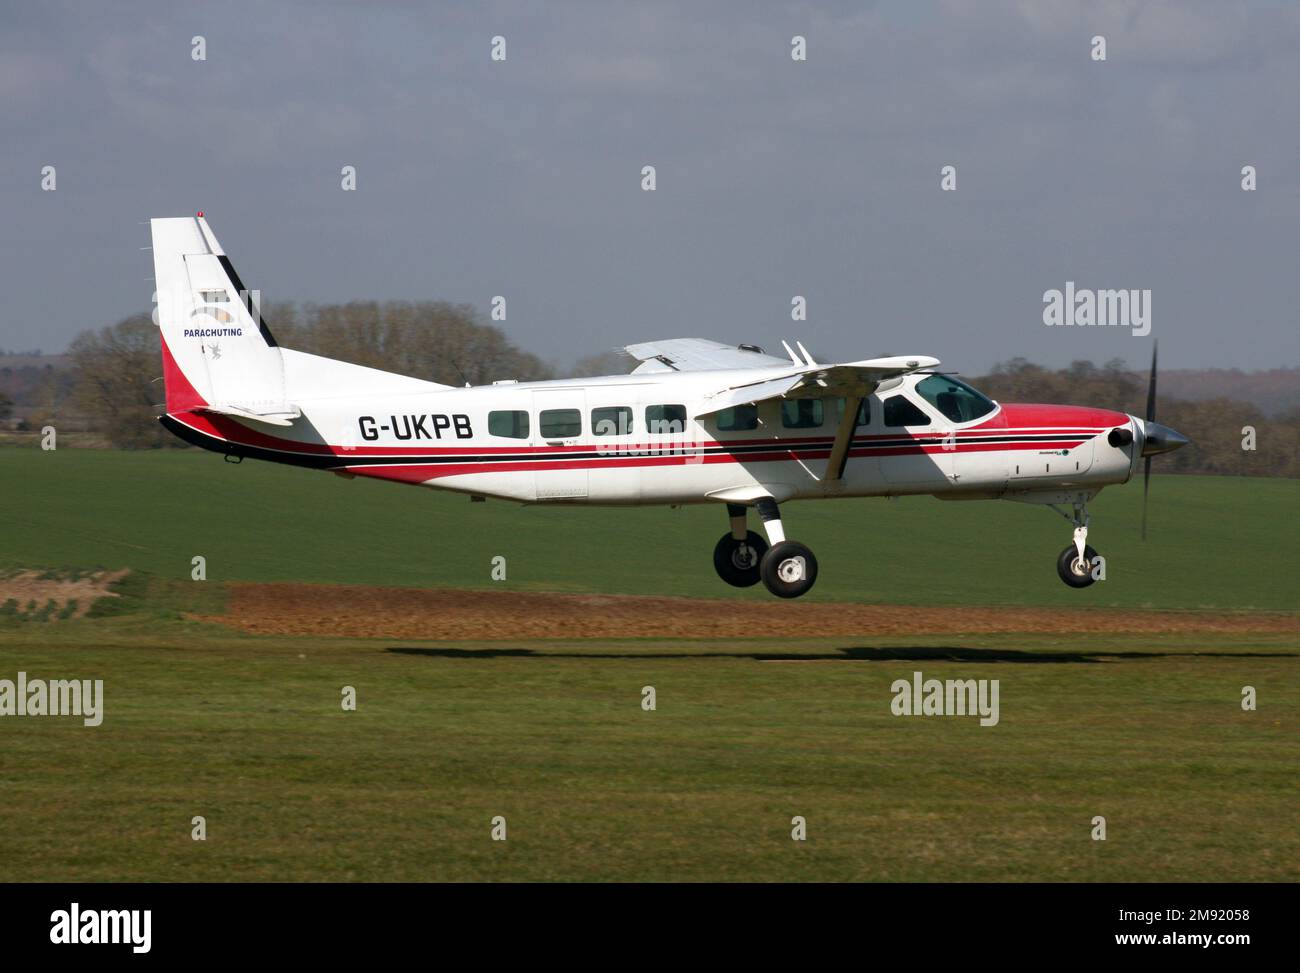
(808, 357)
(790, 351)
(456, 365)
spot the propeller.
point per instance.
(1157, 439)
(1151, 417)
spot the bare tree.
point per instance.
(433, 340)
(615, 362)
(117, 370)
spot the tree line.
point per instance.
(116, 390)
(1222, 430)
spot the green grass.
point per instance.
(1147, 731)
(249, 733)
(1215, 542)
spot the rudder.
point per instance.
(216, 349)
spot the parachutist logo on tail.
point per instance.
(215, 348)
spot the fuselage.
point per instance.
(697, 421)
(643, 438)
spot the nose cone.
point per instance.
(1162, 439)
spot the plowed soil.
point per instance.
(31, 591)
(450, 614)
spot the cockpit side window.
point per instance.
(955, 399)
(902, 411)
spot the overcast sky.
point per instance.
(775, 178)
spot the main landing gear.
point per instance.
(1077, 564)
(742, 558)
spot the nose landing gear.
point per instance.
(1076, 563)
(788, 569)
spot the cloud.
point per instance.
(479, 177)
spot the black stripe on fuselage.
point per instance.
(340, 461)
(229, 447)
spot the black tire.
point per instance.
(1068, 567)
(737, 561)
(779, 566)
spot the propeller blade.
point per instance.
(1151, 385)
(1146, 488)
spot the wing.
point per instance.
(853, 380)
(697, 355)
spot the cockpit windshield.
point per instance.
(955, 399)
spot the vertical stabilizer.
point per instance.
(216, 348)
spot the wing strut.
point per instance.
(839, 457)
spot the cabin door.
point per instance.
(558, 435)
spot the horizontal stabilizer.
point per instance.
(281, 417)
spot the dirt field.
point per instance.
(450, 614)
(66, 596)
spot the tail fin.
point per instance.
(218, 354)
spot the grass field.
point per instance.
(1214, 542)
(248, 731)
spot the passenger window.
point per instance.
(738, 418)
(901, 411)
(508, 425)
(614, 420)
(801, 413)
(665, 419)
(864, 411)
(560, 423)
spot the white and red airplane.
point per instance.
(696, 422)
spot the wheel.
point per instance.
(1073, 573)
(737, 561)
(789, 569)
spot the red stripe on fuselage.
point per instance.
(229, 429)
(1025, 416)
(669, 454)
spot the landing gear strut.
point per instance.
(1076, 563)
(788, 568)
(742, 558)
